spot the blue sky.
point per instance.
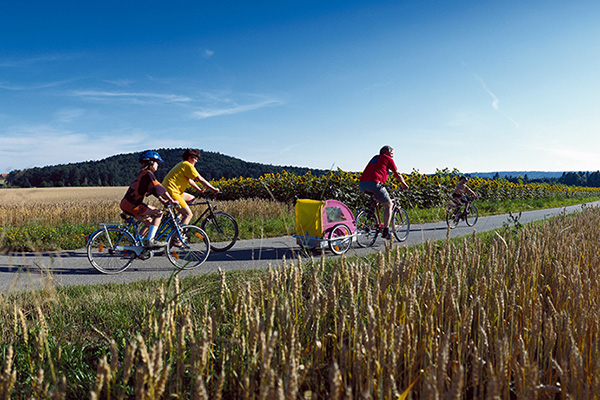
(474, 85)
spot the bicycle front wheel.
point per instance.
(367, 228)
(109, 249)
(340, 239)
(190, 249)
(471, 215)
(222, 229)
(400, 224)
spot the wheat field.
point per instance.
(511, 315)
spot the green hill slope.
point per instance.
(120, 170)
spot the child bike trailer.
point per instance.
(324, 223)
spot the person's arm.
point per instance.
(468, 190)
(204, 182)
(166, 199)
(400, 178)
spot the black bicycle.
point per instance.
(221, 227)
(369, 223)
(466, 211)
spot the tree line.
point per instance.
(582, 178)
(120, 170)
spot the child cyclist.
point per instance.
(144, 185)
(458, 196)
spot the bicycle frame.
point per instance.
(167, 225)
(209, 209)
(377, 210)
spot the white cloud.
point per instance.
(132, 97)
(207, 53)
(33, 86)
(67, 115)
(42, 145)
(496, 102)
(236, 109)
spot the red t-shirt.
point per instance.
(145, 184)
(377, 169)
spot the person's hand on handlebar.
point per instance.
(168, 202)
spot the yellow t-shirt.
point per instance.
(177, 180)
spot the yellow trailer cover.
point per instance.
(309, 217)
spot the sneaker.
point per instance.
(155, 243)
(386, 233)
(176, 243)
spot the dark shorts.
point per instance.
(377, 189)
(458, 199)
(135, 210)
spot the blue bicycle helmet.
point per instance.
(150, 155)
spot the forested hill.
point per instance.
(120, 170)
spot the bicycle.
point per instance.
(369, 225)
(112, 248)
(221, 227)
(466, 211)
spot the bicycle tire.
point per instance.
(222, 230)
(367, 228)
(192, 252)
(400, 224)
(340, 238)
(106, 252)
(452, 217)
(471, 215)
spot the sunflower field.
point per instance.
(425, 191)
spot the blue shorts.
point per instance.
(377, 189)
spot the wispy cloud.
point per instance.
(33, 86)
(496, 101)
(40, 145)
(131, 97)
(236, 109)
(206, 53)
(67, 115)
(17, 63)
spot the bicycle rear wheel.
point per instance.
(340, 239)
(109, 249)
(453, 216)
(367, 228)
(222, 230)
(471, 215)
(400, 224)
(190, 249)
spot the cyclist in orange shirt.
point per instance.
(144, 185)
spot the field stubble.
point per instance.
(512, 315)
(60, 218)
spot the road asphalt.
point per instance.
(31, 271)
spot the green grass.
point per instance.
(492, 207)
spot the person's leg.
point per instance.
(154, 216)
(387, 214)
(186, 211)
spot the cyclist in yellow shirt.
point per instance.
(182, 176)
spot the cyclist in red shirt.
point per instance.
(144, 185)
(372, 182)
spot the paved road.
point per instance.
(29, 271)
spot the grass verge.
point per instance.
(507, 314)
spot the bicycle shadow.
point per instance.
(265, 253)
